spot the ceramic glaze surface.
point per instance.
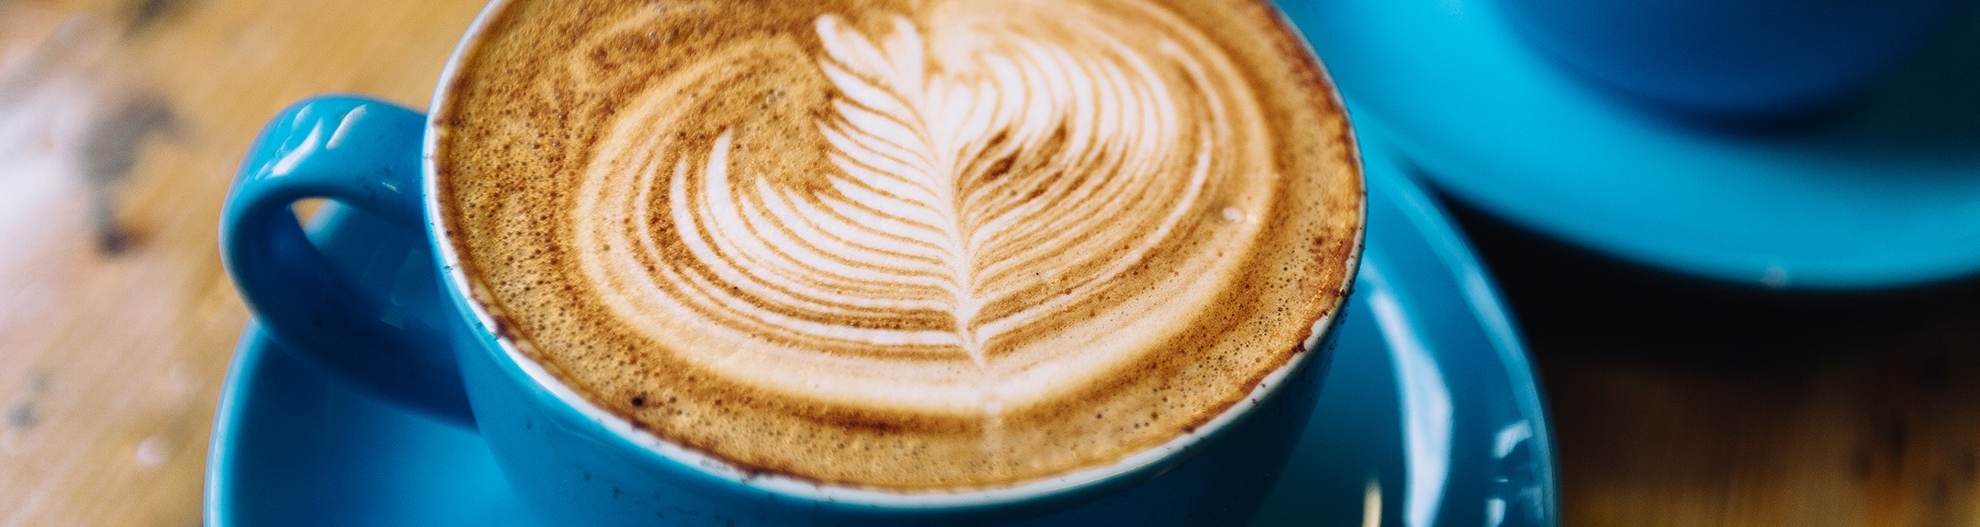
(1880, 193)
(294, 447)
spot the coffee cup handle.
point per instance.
(364, 154)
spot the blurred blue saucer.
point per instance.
(1883, 192)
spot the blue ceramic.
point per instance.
(392, 331)
(376, 327)
(1429, 415)
(1739, 58)
(1884, 192)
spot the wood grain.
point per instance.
(1679, 402)
(121, 122)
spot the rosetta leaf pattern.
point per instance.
(994, 185)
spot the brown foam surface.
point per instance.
(902, 245)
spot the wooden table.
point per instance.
(121, 123)
(1677, 402)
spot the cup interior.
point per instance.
(1062, 487)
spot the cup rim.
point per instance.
(1161, 456)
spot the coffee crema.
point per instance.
(911, 245)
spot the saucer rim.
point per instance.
(1747, 247)
(1486, 303)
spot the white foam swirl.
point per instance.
(980, 181)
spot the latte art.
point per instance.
(973, 192)
(917, 245)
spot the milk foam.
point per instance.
(961, 177)
(907, 245)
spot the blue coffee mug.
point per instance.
(579, 464)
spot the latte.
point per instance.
(911, 245)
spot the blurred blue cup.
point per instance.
(1733, 58)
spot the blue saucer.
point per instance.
(1886, 192)
(1430, 414)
